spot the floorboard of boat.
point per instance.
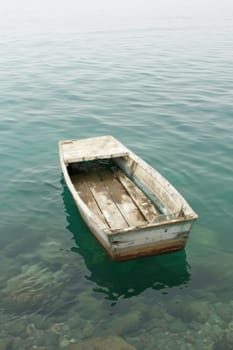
(121, 198)
(114, 198)
(143, 203)
(86, 195)
(104, 200)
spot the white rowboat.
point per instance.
(131, 209)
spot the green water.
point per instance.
(167, 93)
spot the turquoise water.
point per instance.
(165, 91)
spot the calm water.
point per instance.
(167, 93)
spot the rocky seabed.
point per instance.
(44, 307)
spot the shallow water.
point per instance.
(167, 93)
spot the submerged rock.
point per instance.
(224, 311)
(103, 343)
(226, 342)
(127, 323)
(5, 343)
(15, 344)
(8, 268)
(177, 326)
(30, 289)
(52, 253)
(199, 310)
(89, 306)
(229, 334)
(189, 311)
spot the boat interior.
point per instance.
(112, 195)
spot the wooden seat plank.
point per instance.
(92, 148)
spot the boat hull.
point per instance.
(141, 242)
(151, 241)
(130, 208)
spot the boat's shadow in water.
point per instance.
(123, 279)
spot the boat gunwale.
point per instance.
(151, 225)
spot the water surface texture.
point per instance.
(166, 92)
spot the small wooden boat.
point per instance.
(129, 207)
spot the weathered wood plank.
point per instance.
(107, 206)
(86, 195)
(121, 198)
(162, 247)
(92, 148)
(144, 204)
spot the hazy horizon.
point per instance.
(60, 16)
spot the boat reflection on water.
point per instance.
(128, 278)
